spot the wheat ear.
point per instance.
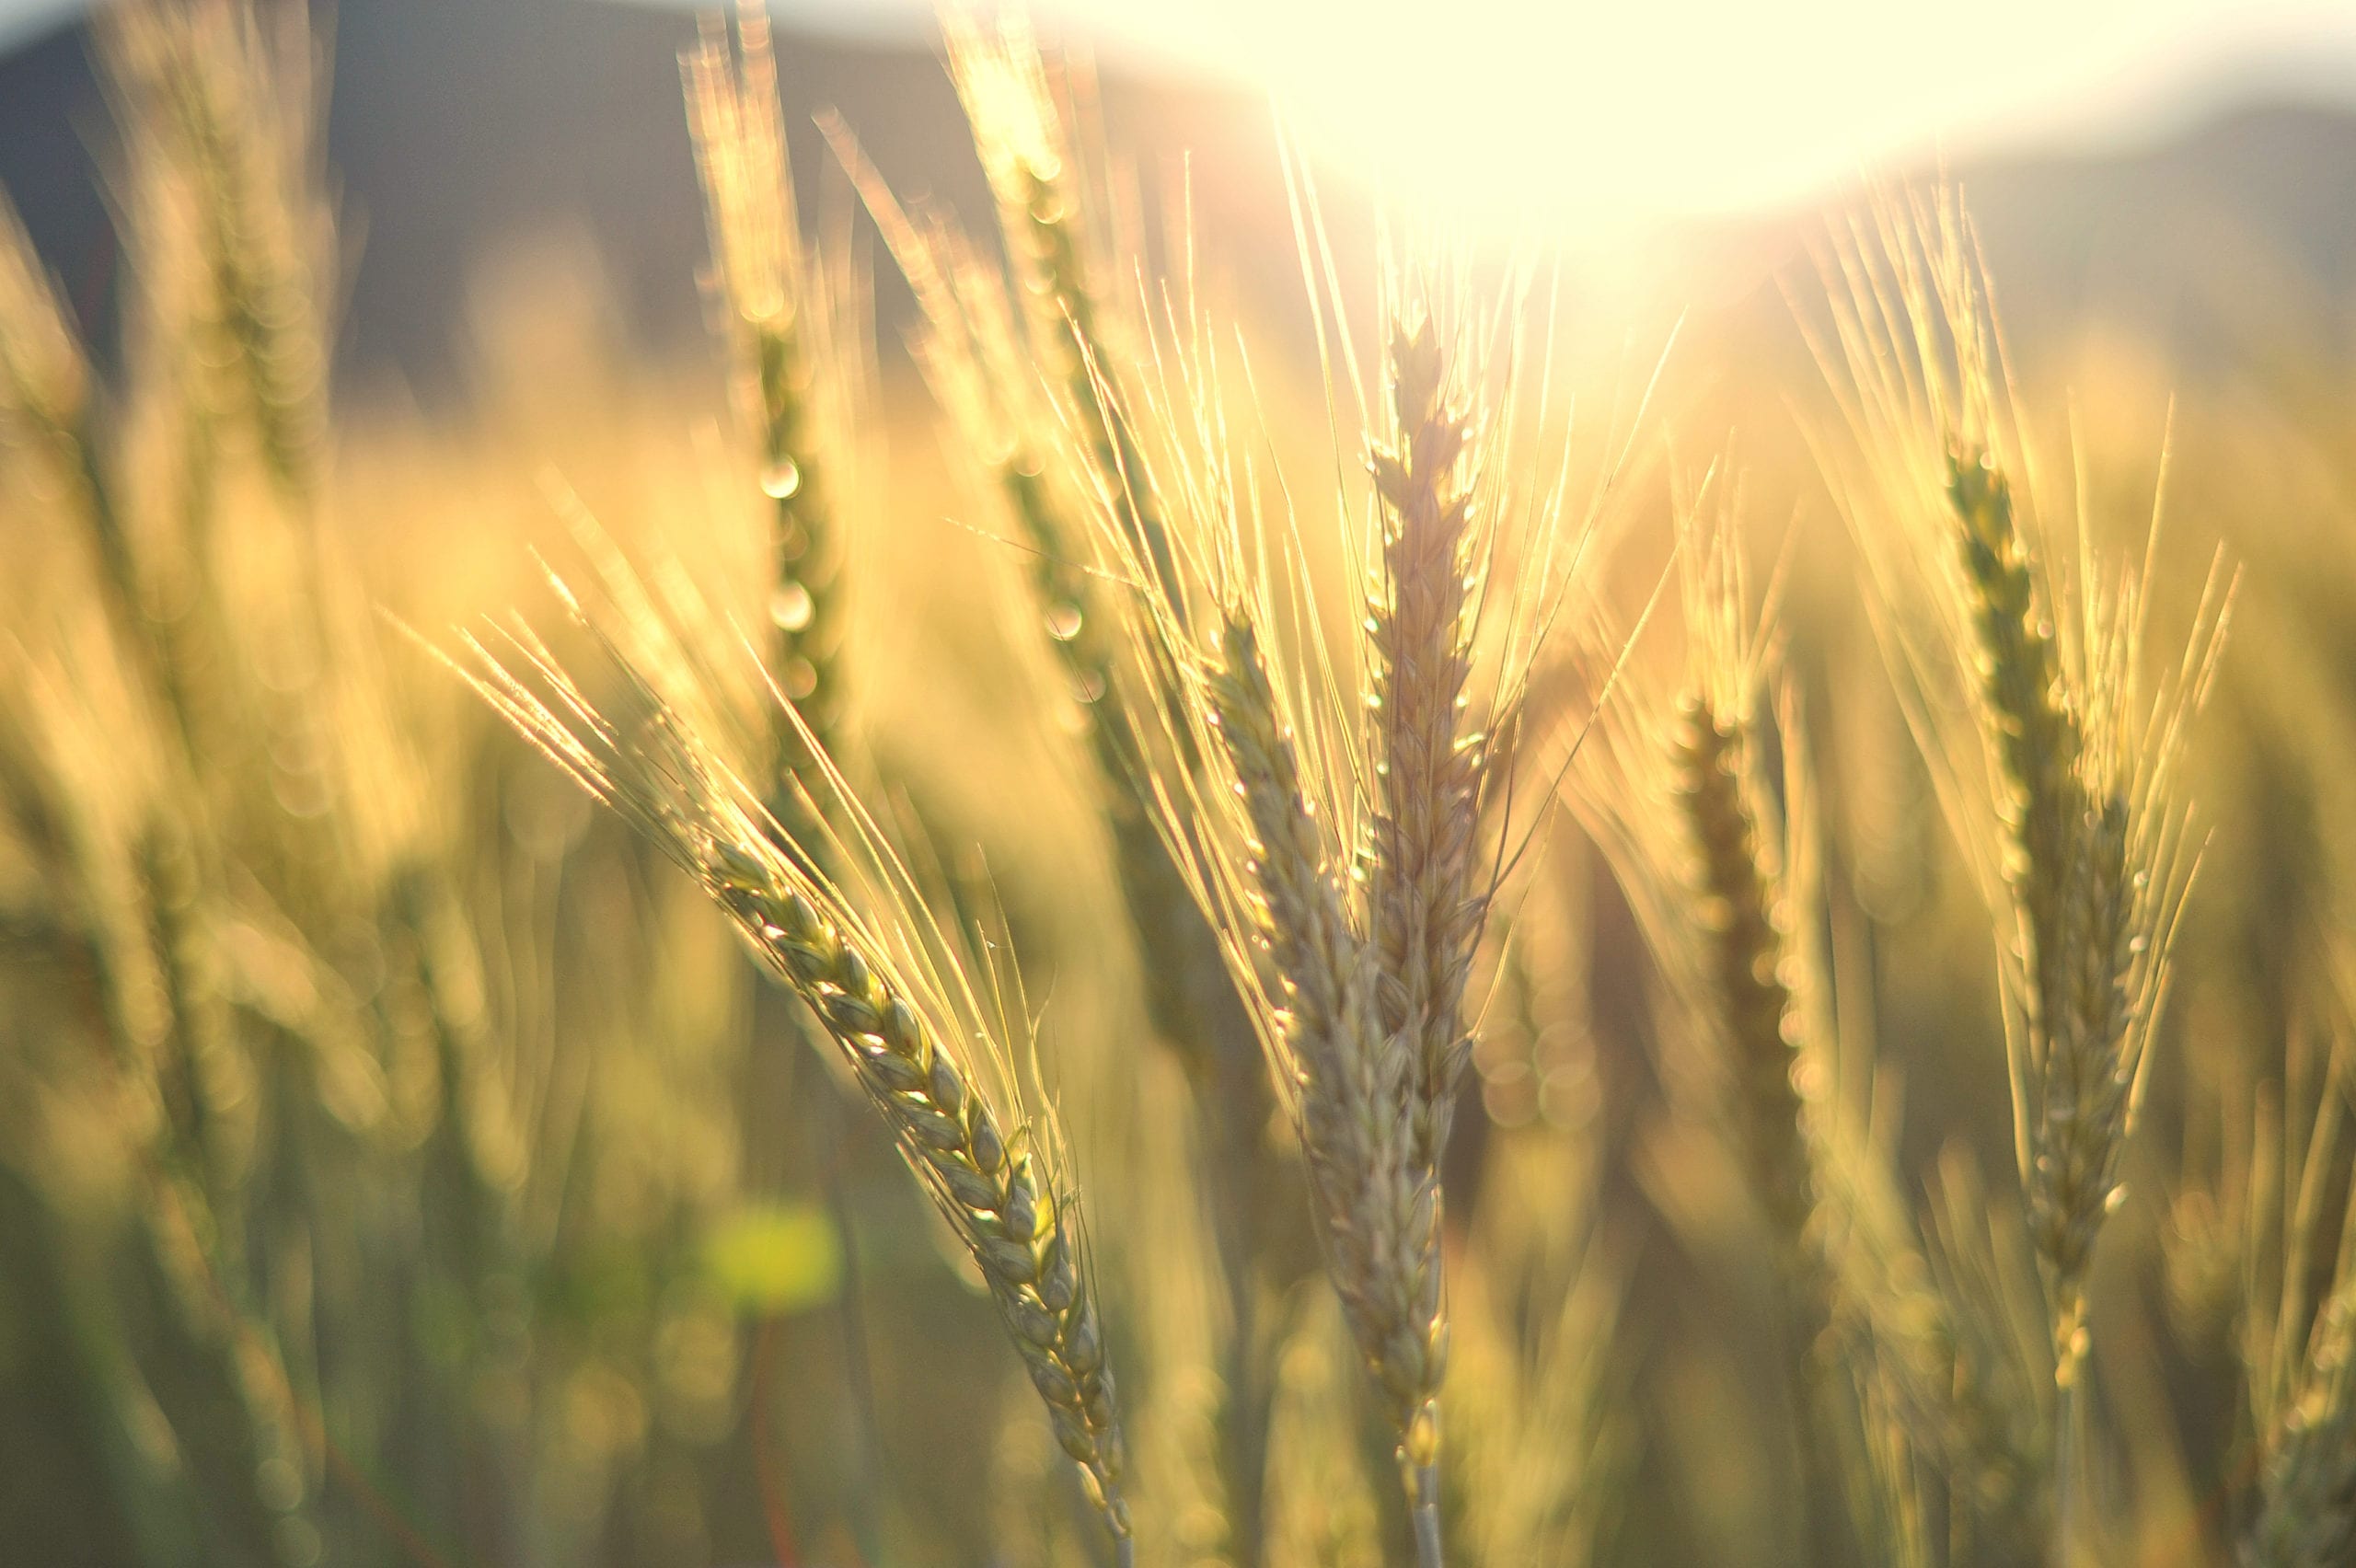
(878, 991)
(1738, 906)
(2078, 903)
(781, 322)
(2299, 1356)
(2308, 1519)
(1427, 914)
(1027, 1249)
(1358, 1096)
(2065, 783)
(1680, 798)
(1028, 153)
(230, 116)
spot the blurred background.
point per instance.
(551, 1245)
(2175, 169)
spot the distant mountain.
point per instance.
(454, 126)
(2234, 233)
(459, 125)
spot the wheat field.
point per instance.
(1076, 926)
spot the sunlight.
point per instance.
(1572, 116)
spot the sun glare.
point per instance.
(1572, 116)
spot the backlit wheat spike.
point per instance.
(1364, 772)
(2071, 883)
(2061, 778)
(227, 111)
(1427, 913)
(1676, 791)
(2299, 1353)
(997, 1198)
(2064, 787)
(781, 317)
(48, 411)
(1028, 151)
(1360, 1108)
(1680, 795)
(887, 991)
(1738, 908)
(971, 354)
(1263, 834)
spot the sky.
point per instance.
(1652, 108)
(1643, 108)
(1680, 106)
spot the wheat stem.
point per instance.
(1425, 1480)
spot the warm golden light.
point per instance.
(1575, 116)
